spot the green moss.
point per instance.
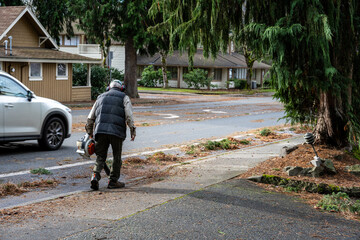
(334, 188)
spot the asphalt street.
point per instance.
(234, 209)
(193, 124)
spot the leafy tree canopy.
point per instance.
(313, 45)
(11, 3)
(54, 16)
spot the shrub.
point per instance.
(100, 77)
(265, 132)
(356, 152)
(79, 74)
(267, 84)
(40, 171)
(244, 142)
(339, 202)
(239, 83)
(197, 78)
(223, 144)
(151, 77)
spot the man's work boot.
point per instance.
(95, 181)
(116, 184)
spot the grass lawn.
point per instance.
(218, 92)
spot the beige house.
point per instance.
(30, 54)
(79, 44)
(222, 69)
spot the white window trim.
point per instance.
(67, 72)
(1, 65)
(36, 78)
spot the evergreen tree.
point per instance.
(54, 16)
(161, 32)
(96, 19)
(125, 21)
(131, 28)
(313, 45)
(11, 3)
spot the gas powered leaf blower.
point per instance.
(86, 148)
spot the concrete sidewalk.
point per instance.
(198, 202)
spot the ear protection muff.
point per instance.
(123, 88)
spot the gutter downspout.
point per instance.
(6, 43)
(10, 38)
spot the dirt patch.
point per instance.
(301, 157)
(9, 188)
(273, 137)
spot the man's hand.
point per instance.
(133, 133)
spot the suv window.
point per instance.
(9, 87)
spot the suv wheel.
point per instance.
(53, 134)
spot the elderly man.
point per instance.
(110, 114)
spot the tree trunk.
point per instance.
(250, 63)
(130, 69)
(330, 124)
(248, 77)
(163, 69)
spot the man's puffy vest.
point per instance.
(110, 114)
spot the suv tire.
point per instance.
(53, 134)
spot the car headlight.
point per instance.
(68, 110)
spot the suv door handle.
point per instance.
(9, 105)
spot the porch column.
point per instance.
(227, 77)
(178, 76)
(88, 75)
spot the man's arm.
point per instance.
(89, 127)
(129, 117)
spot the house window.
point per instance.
(61, 71)
(217, 74)
(239, 73)
(72, 41)
(139, 71)
(35, 72)
(173, 72)
(0, 65)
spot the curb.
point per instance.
(167, 92)
(132, 181)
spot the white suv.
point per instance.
(24, 116)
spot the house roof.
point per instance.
(223, 60)
(28, 54)
(9, 16)
(256, 63)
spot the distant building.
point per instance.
(223, 68)
(79, 44)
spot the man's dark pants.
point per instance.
(103, 141)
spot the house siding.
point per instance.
(24, 34)
(49, 87)
(118, 60)
(81, 94)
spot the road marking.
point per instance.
(84, 163)
(142, 107)
(169, 116)
(4, 175)
(212, 111)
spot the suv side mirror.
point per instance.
(29, 96)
